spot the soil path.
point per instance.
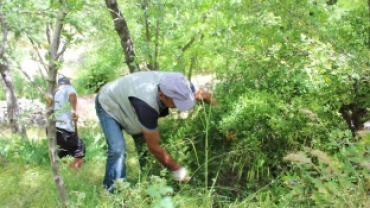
(86, 108)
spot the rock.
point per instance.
(367, 125)
(31, 112)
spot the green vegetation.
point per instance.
(292, 89)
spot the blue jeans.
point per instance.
(116, 161)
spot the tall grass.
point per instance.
(313, 179)
(207, 119)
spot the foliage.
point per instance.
(277, 137)
(321, 180)
(25, 179)
(313, 179)
(27, 92)
(36, 151)
(151, 193)
(100, 67)
(283, 88)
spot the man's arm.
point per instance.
(73, 101)
(203, 95)
(152, 141)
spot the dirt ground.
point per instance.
(86, 108)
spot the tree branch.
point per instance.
(187, 45)
(37, 51)
(4, 31)
(30, 79)
(47, 31)
(331, 2)
(64, 47)
(124, 34)
(56, 36)
(144, 7)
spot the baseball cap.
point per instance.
(64, 80)
(175, 86)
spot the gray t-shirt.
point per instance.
(63, 110)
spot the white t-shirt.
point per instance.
(62, 107)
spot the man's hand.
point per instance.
(181, 175)
(152, 141)
(73, 101)
(203, 95)
(74, 116)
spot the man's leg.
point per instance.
(62, 143)
(116, 160)
(62, 153)
(141, 148)
(71, 145)
(78, 153)
(76, 163)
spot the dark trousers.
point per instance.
(141, 148)
(70, 144)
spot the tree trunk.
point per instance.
(353, 116)
(13, 110)
(331, 2)
(153, 59)
(147, 65)
(49, 96)
(8, 84)
(181, 60)
(192, 66)
(124, 34)
(368, 6)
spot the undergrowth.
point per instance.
(309, 178)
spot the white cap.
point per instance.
(175, 86)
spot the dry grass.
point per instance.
(298, 158)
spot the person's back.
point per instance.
(66, 115)
(115, 97)
(63, 109)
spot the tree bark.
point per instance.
(156, 46)
(353, 115)
(124, 34)
(147, 65)
(49, 96)
(368, 6)
(191, 42)
(354, 112)
(331, 2)
(192, 66)
(13, 110)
